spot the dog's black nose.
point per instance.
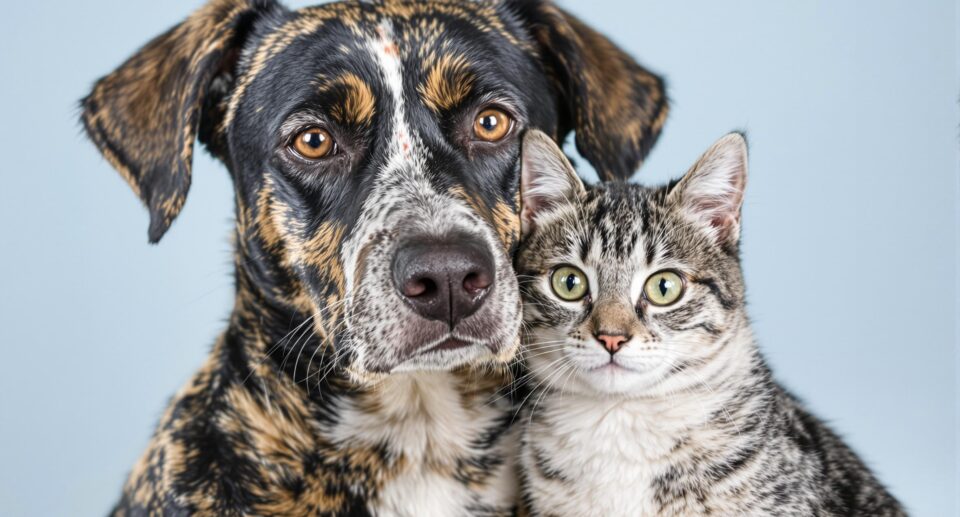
(444, 280)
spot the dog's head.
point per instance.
(375, 152)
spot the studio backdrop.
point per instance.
(849, 241)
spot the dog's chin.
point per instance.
(453, 353)
(444, 354)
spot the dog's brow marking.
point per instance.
(448, 82)
(358, 102)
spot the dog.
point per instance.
(374, 149)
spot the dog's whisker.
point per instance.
(297, 332)
(286, 356)
(269, 351)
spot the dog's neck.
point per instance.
(273, 328)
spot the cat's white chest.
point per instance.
(603, 450)
(427, 494)
(612, 486)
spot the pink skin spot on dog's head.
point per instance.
(389, 47)
(404, 142)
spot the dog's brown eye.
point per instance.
(491, 125)
(314, 143)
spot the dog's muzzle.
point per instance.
(445, 280)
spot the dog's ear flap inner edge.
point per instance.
(144, 116)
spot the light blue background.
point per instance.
(850, 238)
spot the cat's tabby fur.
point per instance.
(685, 419)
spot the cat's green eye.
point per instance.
(663, 288)
(569, 283)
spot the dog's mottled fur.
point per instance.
(325, 396)
(682, 417)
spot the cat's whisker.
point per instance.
(561, 371)
(547, 379)
(519, 381)
(542, 353)
(546, 346)
(534, 389)
(567, 379)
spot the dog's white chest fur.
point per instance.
(423, 418)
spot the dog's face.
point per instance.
(375, 153)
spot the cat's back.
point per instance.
(827, 471)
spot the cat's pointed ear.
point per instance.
(546, 178)
(711, 192)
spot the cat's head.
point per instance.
(629, 289)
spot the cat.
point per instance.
(649, 394)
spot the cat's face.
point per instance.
(627, 289)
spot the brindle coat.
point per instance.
(319, 398)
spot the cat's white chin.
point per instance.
(614, 377)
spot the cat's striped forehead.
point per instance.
(618, 216)
(614, 221)
(619, 230)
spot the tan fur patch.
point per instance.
(615, 317)
(265, 221)
(280, 437)
(358, 105)
(448, 82)
(506, 220)
(280, 434)
(322, 252)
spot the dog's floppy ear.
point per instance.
(615, 106)
(144, 116)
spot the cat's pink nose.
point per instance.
(611, 342)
